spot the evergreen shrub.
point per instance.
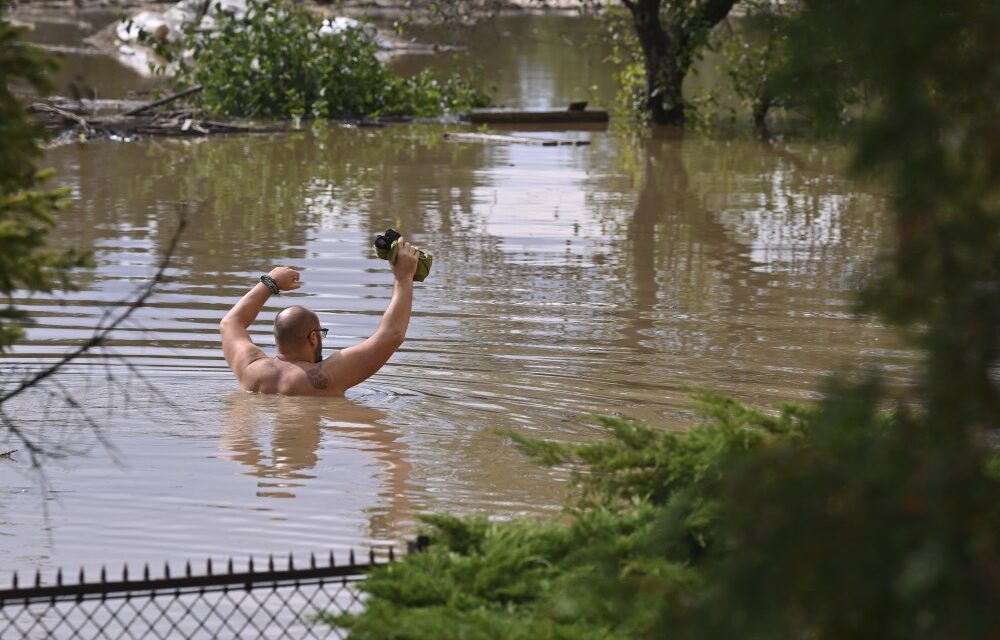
(28, 211)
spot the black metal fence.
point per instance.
(255, 602)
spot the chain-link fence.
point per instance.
(262, 602)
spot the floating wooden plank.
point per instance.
(505, 139)
(496, 116)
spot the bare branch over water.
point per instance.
(57, 391)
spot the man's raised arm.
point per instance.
(239, 350)
(356, 364)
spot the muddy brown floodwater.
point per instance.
(567, 281)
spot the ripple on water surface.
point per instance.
(566, 281)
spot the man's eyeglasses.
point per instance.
(322, 332)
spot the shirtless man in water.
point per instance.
(298, 369)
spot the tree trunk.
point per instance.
(663, 80)
(668, 52)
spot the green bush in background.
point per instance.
(274, 64)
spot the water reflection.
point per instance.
(534, 61)
(567, 281)
(280, 441)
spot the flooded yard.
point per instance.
(609, 278)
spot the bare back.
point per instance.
(271, 375)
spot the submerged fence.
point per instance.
(257, 602)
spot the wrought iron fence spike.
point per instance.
(392, 553)
(371, 555)
(270, 562)
(209, 565)
(350, 557)
(333, 562)
(291, 561)
(250, 564)
(201, 588)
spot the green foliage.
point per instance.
(274, 64)
(812, 76)
(516, 580)
(639, 463)
(839, 521)
(27, 212)
(600, 574)
(754, 53)
(762, 74)
(933, 137)
(891, 529)
(848, 520)
(870, 527)
(672, 35)
(626, 58)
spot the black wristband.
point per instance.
(270, 284)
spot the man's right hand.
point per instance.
(286, 278)
(406, 261)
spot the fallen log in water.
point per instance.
(506, 139)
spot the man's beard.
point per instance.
(318, 356)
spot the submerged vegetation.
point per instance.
(276, 62)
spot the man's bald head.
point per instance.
(292, 327)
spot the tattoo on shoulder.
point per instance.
(318, 378)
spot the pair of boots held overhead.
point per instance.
(387, 245)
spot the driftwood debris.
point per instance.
(178, 123)
(163, 101)
(60, 113)
(506, 139)
(41, 107)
